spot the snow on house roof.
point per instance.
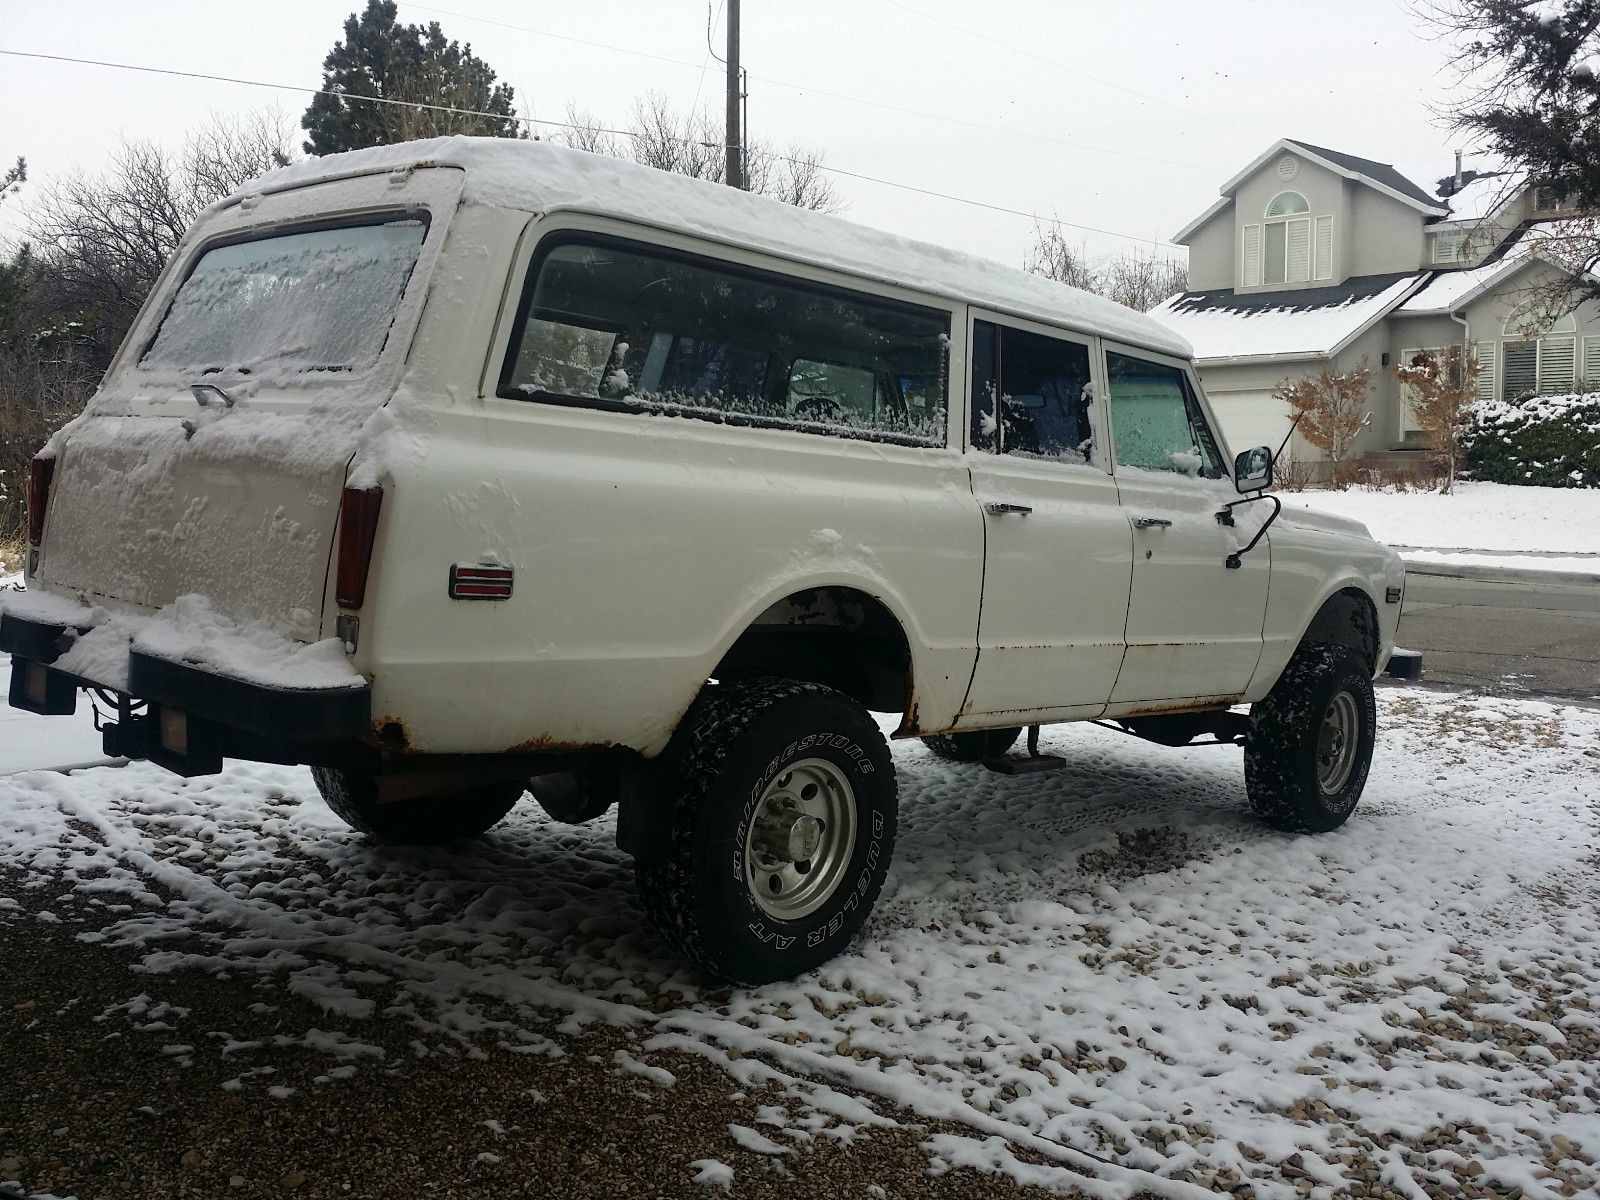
(1306, 323)
(1447, 291)
(1483, 196)
(543, 178)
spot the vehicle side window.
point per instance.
(615, 324)
(1040, 386)
(1156, 421)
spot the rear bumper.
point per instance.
(191, 717)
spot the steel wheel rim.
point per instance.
(1336, 743)
(800, 838)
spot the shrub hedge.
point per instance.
(1548, 441)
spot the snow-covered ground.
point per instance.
(1479, 524)
(1112, 968)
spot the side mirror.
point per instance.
(1252, 469)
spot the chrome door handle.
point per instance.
(996, 508)
(1150, 522)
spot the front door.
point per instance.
(1056, 545)
(1194, 624)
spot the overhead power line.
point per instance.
(812, 89)
(473, 112)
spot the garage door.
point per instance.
(1250, 419)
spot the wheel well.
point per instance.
(1347, 618)
(836, 636)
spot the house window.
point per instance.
(1548, 199)
(1281, 250)
(1540, 353)
(1447, 246)
(1287, 203)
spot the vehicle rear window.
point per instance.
(313, 300)
(613, 324)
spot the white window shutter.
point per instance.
(1555, 364)
(1324, 248)
(1591, 363)
(1252, 256)
(1484, 353)
(1299, 251)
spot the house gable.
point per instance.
(1303, 217)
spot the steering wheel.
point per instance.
(818, 408)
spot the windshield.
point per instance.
(316, 300)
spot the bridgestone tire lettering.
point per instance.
(735, 741)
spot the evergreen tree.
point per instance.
(409, 63)
(1531, 92)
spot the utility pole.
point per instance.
(734, 127)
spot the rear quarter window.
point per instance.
(616, 324)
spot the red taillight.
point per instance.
(358, 527)
(40, 472)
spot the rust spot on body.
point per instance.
(1181, 706)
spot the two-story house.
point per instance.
(1312, 257)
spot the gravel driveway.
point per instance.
(1109, 981)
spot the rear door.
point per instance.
(1194, 623)
(212, 461)
(1057, 547)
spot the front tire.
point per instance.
(781, 830)
(1310, 743)
(425, 821)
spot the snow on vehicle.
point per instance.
(461, 468)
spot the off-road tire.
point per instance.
(735, 745)
(426, 821)
(972, 746)
(1288, 734)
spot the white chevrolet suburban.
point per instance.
(464, 468)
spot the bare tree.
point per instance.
(691, 144)
(1331, 409)
(1140, 281)
(1444, 386)
(102, 240)
(1056, 258)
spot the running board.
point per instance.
(1032, 764)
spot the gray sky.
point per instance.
(1125, 115)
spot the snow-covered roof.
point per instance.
(1450, 290)
(1482, 197)
(540, 177)
(1307, 323)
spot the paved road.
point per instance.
(1508, 638)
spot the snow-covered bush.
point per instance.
(1549, 441)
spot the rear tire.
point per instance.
(426, 821)
(1310, 743)
(780, 834)
(973, 746)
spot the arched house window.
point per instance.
(1539, 353)
(1291, 245)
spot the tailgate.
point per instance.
(212, 461)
